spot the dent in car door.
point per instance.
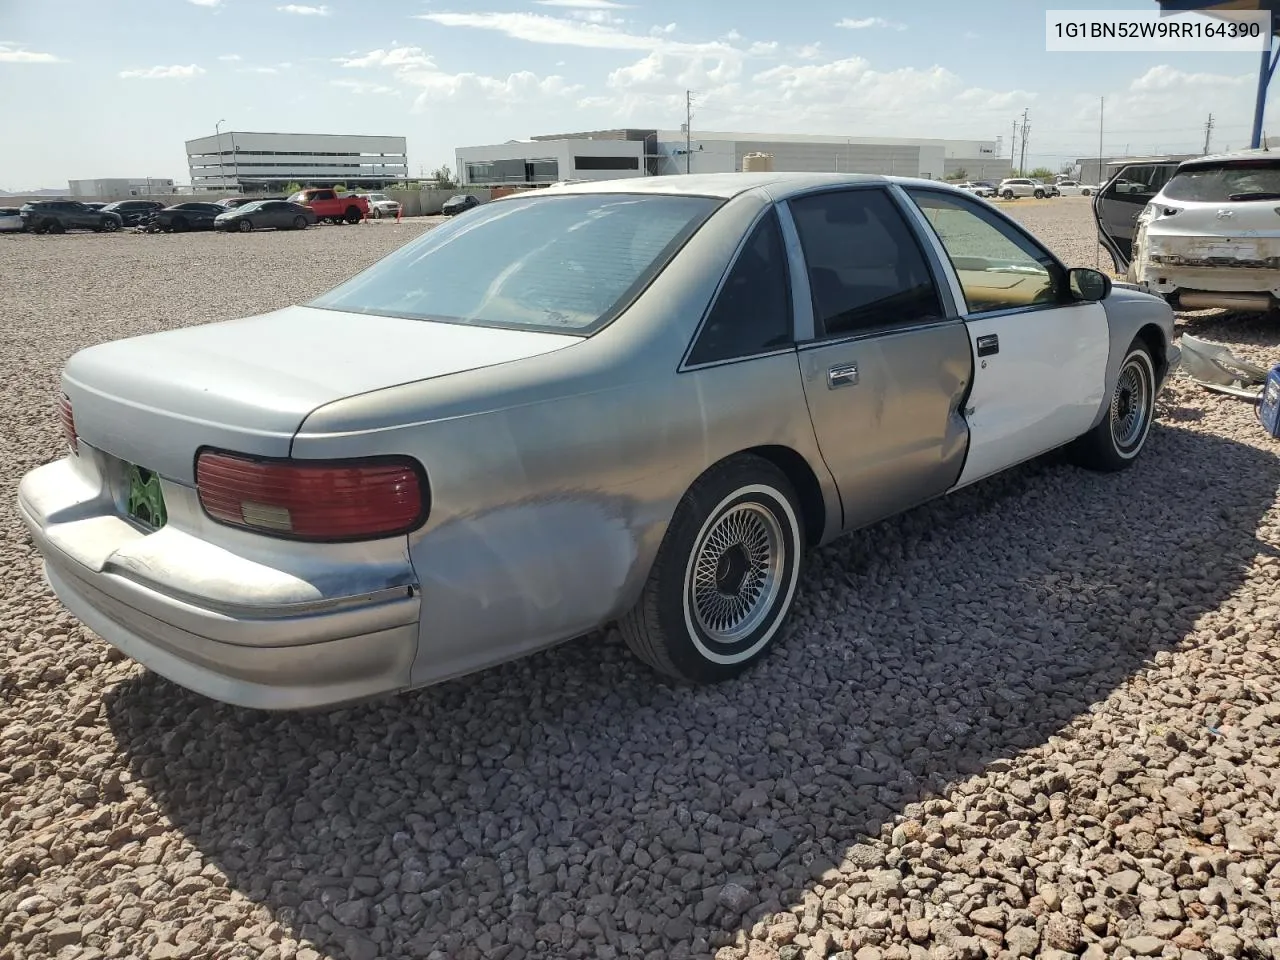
(1040, 358)
(1117, 206)
(885, 372)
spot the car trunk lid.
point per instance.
(246, 385)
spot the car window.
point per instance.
(998, 266)
(752, 312)
(274, 205)
(866, 269)
(1139, 183)
(323, 195)
(566, 264)
(1240, 180)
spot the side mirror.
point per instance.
(1088, 285)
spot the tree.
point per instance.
(292, 188)
(443, 176)
(1041, 173)
(961, 174)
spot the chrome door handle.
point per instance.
(843, 375)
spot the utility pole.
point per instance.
(688, 130)
(1102, 107)
(1013, 148)
(1026, 129)
(1208, 130)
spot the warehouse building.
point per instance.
(238, 160)
(119, 188)
(635, 152)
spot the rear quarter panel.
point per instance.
(553, 479)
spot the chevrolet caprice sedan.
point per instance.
(634, 401)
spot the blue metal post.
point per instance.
(1265, 72)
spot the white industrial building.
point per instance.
(609, 154)
(236, 159)
(119, 188)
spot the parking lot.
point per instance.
(1039, 717)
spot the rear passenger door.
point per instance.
(1118, 205)
(884, 362)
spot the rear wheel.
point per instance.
(1122, 433)
(180, 225)
(1008, 194)
(55, 226)
(299, 222)
(244, 226)
(1039, 194)
(725, 575)
(111, 225)
(353, 214)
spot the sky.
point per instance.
(113, 88)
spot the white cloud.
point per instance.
(205, 3)
(176, 72)
(303, 10)
(810, 51)
(731, 36)
(12, 53)
(762, 49)
(259, 70)
(597, 16)
(585, 4)
(539, 28)
(230, 57)
(849, 23)
(411, 68)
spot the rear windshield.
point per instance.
(566, 264)
(1242, 180)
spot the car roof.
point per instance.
(727, 185)
(1255, 154)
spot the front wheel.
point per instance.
(1122, 433)
(1039, 194)
(353, 214)
(1008, 194)
(299, 222)
(1085, 193)
(244, 226)
(180, 225)
(725, 575)
(55, 226)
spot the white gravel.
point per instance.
(1038, 718)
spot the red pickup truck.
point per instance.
(333, 206)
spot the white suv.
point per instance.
(1021, 187)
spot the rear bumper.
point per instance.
(284, 656)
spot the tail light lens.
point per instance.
(68, 423)
(323, 500)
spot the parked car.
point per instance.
(332, 206)
(1208, 237)
(232, 202)
(134, 212)
(57, 216)
(276, 515)
(460, 203)
(1074, 188)
(280, 214)
(380, 205)
(11, 220)
(977, 189)
(1015, 187)
(192, 215)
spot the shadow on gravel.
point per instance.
(573, 799)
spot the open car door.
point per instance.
(1117, 205)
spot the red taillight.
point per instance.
(325, 500)
(68, 423)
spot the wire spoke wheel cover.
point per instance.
(742, 563)
(1131, 405)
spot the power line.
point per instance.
(688, 130)
(1026, 134)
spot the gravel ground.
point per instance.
(1038, 718)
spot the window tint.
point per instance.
(998, 267)
(559, 263)
(865, 267)
(1239, 181)
(752, 313)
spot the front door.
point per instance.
(1040, 358)
(1117, 206)
(886, 369)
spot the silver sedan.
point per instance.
(634, 401)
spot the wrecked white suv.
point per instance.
(1209, 236)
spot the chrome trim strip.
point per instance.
(876, 332)
(801, 297)
(724, 363)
